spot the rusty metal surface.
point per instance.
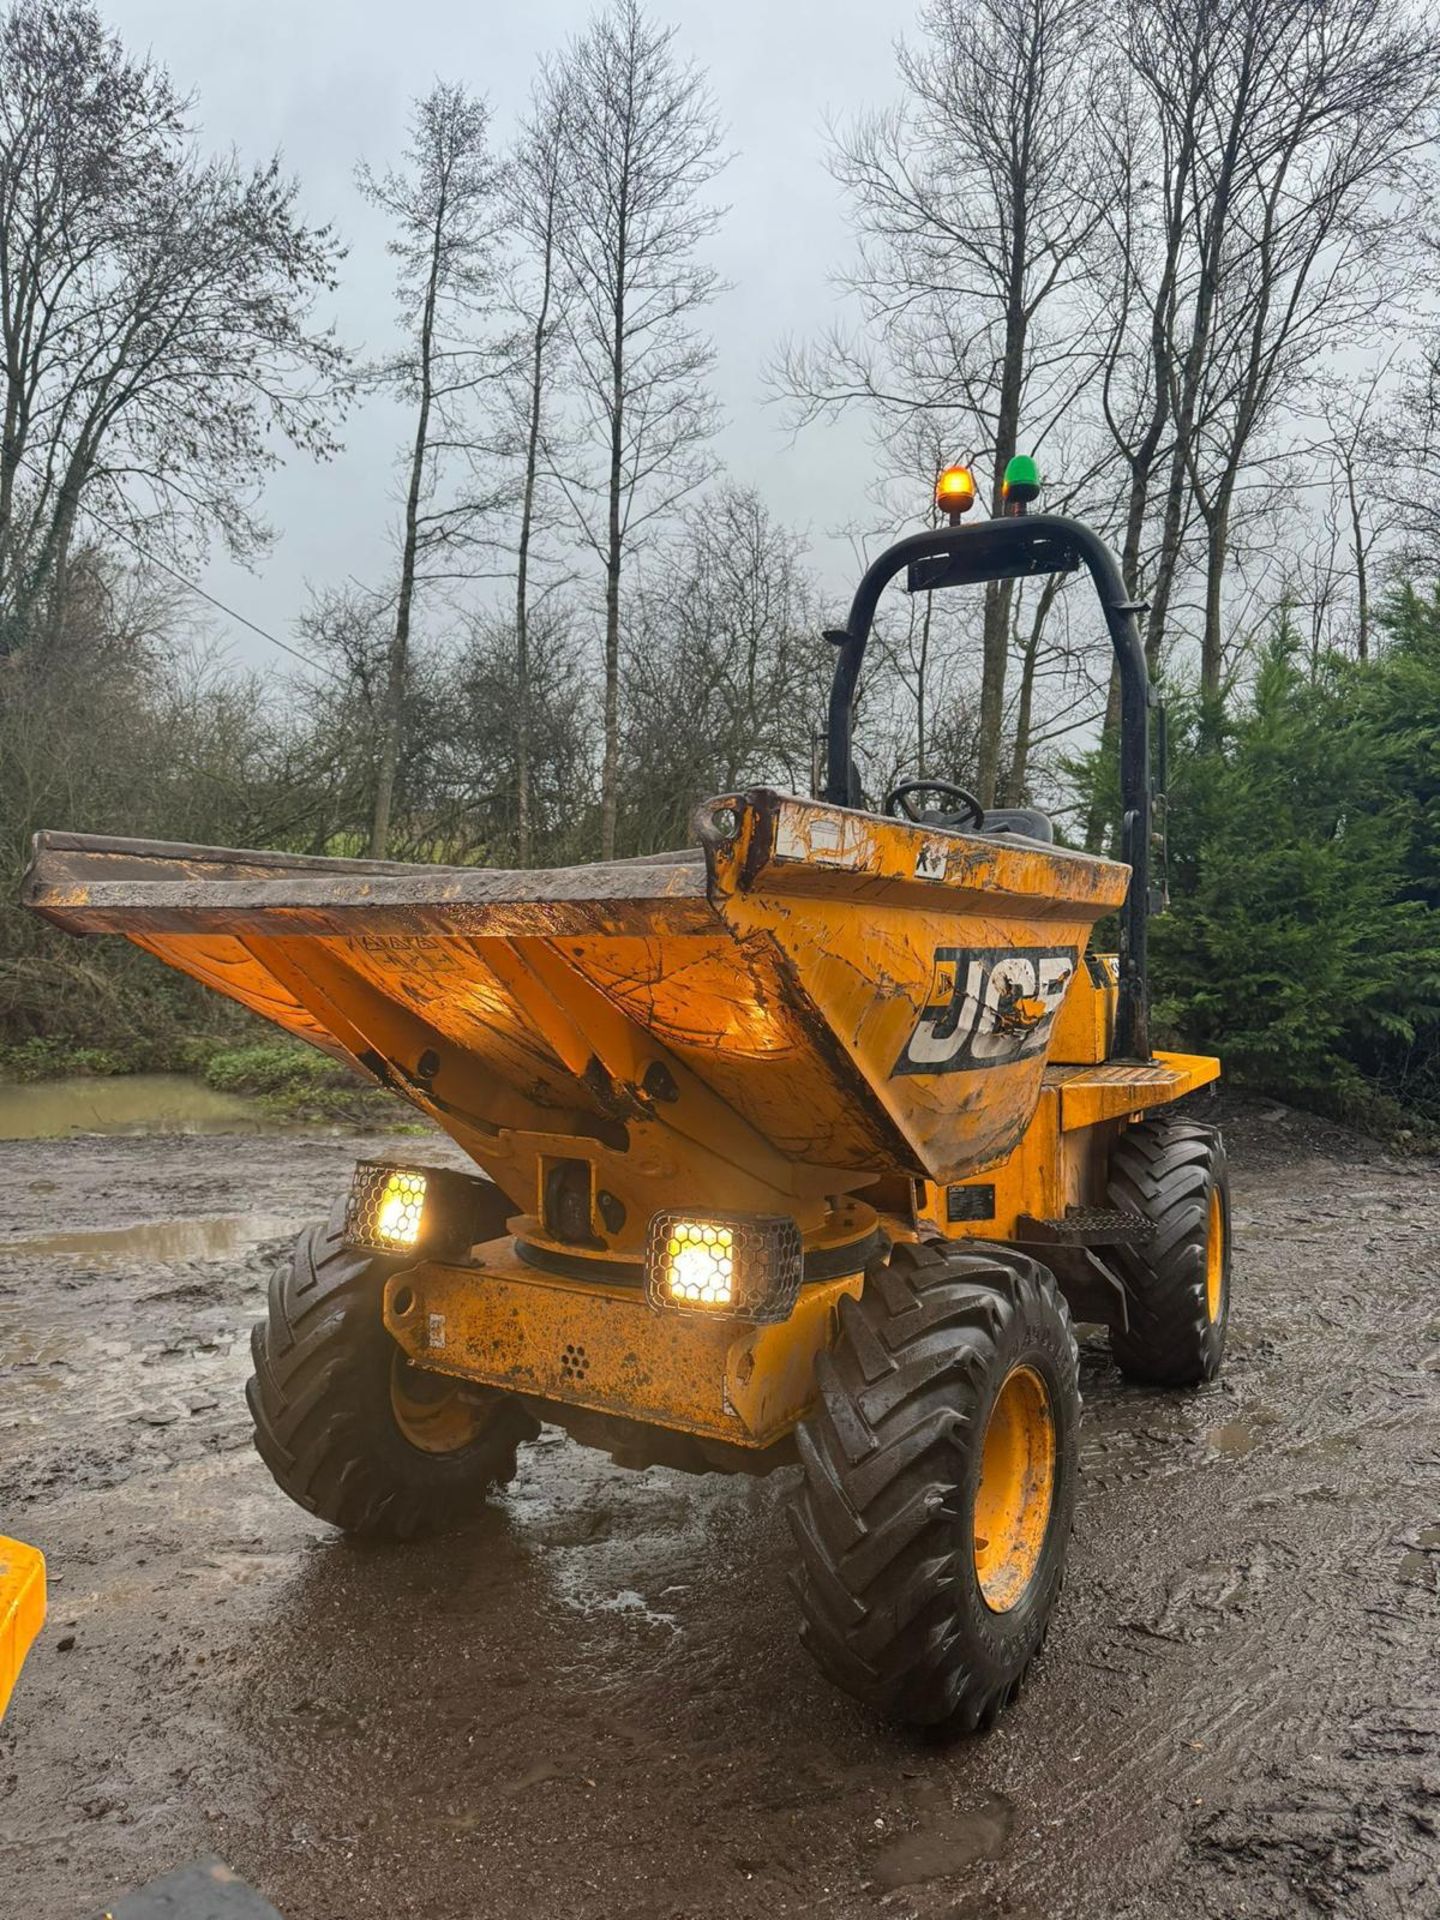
(602, 1348)
(1085, 1028)
(1063, 1157)
(878, 928)
(90, 884)
(129, 858)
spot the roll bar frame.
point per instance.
(1010, 549)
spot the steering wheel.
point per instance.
(898, 800)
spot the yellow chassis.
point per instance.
(597, 1346)
(600, 1347)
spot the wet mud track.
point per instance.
(592, 1704)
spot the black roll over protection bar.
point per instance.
(1011, 549)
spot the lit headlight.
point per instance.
(699, 1265)
(397, 1218)
(426, 1210)
(735, 1267)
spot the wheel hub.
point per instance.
(1215, 1258)
(1016, 1489)
(435, 1414)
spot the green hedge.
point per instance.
(1303, 941)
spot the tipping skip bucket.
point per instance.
(814, 992)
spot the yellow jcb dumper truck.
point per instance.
(805, 1144)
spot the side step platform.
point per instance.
(1086, 1227)
(1074, 1248)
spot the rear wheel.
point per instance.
(940, 1471)
(348, 1427)
(1174, 1173)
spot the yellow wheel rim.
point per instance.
(1016, 1489)
(1215, 1258)
(434, 1414)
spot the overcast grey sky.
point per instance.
(328, 81)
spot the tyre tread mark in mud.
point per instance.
(886, 1584)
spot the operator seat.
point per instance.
(1019, 823)
(1004, 823)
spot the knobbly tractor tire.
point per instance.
(939, 1483)
(349, 1429)
(1177, 1282)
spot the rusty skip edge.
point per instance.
(782, 843)
(98, 886)
(94, 883)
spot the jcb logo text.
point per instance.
(988, 1007)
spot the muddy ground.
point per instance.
(593, 1704)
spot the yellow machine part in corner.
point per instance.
(22, 1609)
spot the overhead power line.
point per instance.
(173, 573)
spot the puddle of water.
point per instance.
(20, 1346)
(162, 1239)
(947, 1843)
(575, 1588)
(1239, 1436)
(627, 1601)
(128, 1103)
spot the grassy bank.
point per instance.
(284, 1078)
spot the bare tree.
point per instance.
(723, 671)
(1294, 136)
(154, 308)
(480, 766)
(1334, 172)
(641, 145)
(1407, 441)
(974, 209)
(1352, 447)
(447, 209)
(1263, 162)
(922, 640)
(1146, 169)
(535, 193)
(1036, 612)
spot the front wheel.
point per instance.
(347, 1426)
(939, 1482)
